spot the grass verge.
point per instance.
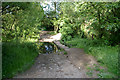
(17, 57)
(106, 55)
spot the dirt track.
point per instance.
(58, 65)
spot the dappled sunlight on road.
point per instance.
(51, 38)
(56, 37)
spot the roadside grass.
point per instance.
(106, 55)
(17, 57)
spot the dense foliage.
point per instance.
(90, 20)
(47, 24)
(20, 20)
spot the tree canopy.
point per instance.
(21, 20)
(95, 20)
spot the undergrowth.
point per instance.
(52, 33)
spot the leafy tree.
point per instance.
(93, 20)
(20, 20)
